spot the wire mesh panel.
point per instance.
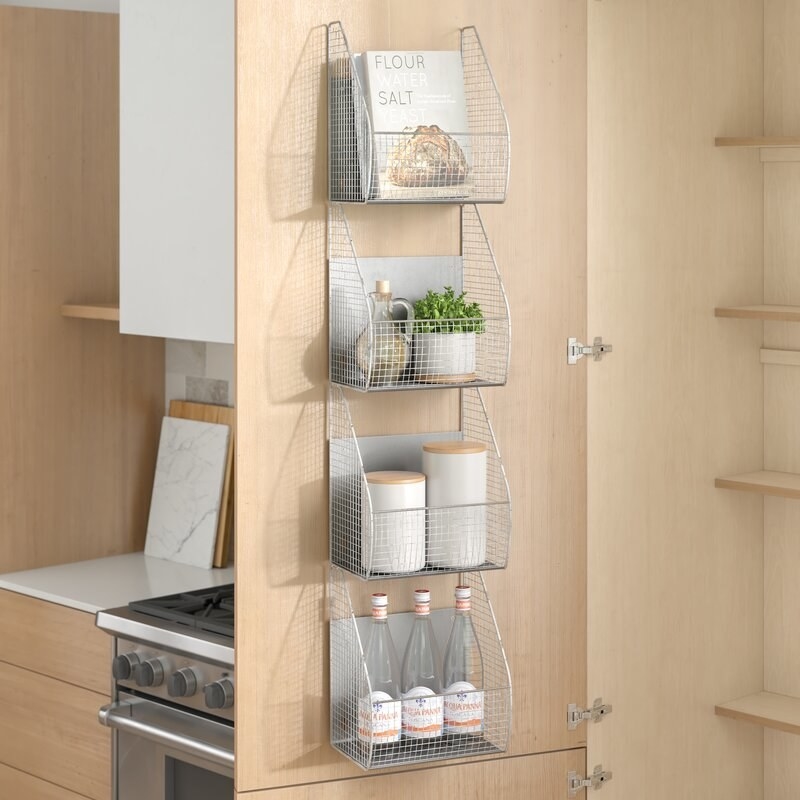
(390, 540)
(421, 163)
(351, 689)
(427, 345)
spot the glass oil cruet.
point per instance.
(384, 347)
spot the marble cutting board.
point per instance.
(187, 490)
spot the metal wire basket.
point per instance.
(350, 683)
(416, 354)
(376, 544)
(423, 164)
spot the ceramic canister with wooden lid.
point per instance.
(393, 529)
(456, 491)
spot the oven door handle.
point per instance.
(123, 716)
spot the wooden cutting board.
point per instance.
(221, 415)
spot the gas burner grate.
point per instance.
(204, 610)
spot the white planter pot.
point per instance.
(444, 357)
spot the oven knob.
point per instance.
(149, 673)
(122, 666)
(219, 694)
(182, 683)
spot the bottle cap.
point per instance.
(422, 601)
(383, 287)
(463, 595)
(380, 603)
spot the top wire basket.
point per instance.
(417, 160)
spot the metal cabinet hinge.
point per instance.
(576, 783)
(576, 715)
(576, 350)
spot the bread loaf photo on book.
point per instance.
(426, 156)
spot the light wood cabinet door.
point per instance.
(54, 677)
(50, 729)
(54, 640)
(539, 241)
(543, 777)
(16, 784)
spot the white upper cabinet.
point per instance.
(177, 169)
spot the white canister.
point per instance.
(456, 492)
(393, 534)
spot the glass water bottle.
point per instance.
(421, 682)
(383, 349)
(379, 715)
(463, 671)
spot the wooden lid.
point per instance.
(395, 476)
(456, 447)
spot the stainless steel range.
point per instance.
(173, 696)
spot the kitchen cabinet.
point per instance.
(631, 576)
(282, 368)
(773, 702)
(19, 784)
(53, 679)
(517, 779)
(177, 168)
(81, 405)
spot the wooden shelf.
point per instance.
(783, 358)
(104, 311)
(776, 484)
(777, 711)
(772, 313)
(757, 141)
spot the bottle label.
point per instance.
(423, 713)
(379, 719)
(463, 708)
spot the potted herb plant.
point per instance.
(445, 326)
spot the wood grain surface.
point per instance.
(54, 640)
(538, 237)
(14, 783)
(776, 711)
(543, 777)
(676, 582)
(781, 198)
(49, 729)
(81, 405)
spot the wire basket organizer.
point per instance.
(379, 544)
(423, 164)
(350, 683)
(416, 354)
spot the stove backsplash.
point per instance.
(199, 371)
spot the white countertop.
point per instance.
(113, 581)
